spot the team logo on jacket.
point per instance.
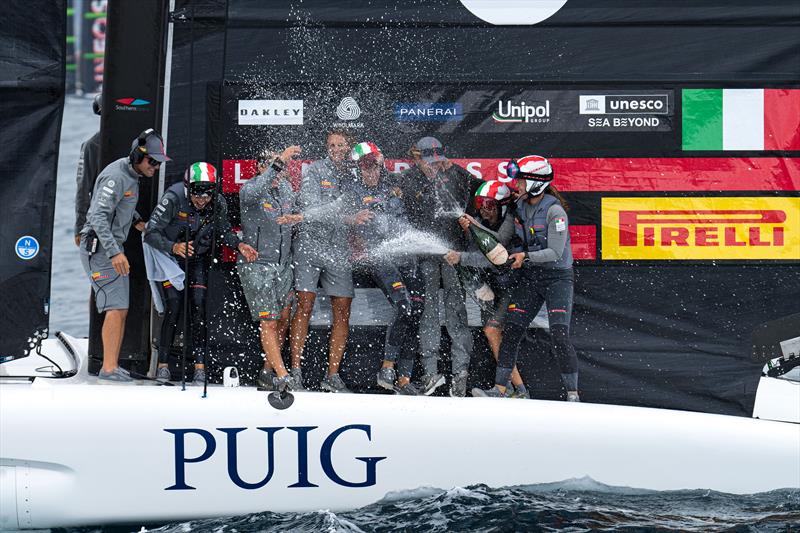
(264, 314)
(128, 194)
(371, 200)
(97, 276)
(167, 285)
(512, 308)
(397, 285)
(183, 215)
(268, 207)
(743, 228)
(325, 184)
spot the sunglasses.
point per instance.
(432, 151)
(512, 169)
(152, 162)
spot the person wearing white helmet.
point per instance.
(542, 262)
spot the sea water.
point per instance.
(573, 505)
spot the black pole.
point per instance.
(185, 307)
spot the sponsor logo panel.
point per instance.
(270, 112)
(579, 111)
(348, 111)
(746, 228)
(428, 112)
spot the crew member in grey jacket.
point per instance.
(88, 168)
(542, 262)
(268, 205)
(111, 213)
(321, 253)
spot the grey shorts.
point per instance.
(111, 290)
(336, 280)
(267, 288)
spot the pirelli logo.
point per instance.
(747, 228)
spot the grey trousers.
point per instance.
(433, 270)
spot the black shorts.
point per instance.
(536, 286)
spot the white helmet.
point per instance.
(534, 169)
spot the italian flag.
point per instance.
(741, 119)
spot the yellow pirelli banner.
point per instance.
(743, 228)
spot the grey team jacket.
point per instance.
(113, 206)
(546, 227)
(175, 212)
(323, 232)
(261, 204)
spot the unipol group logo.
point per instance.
(748, 228)
(508, 111)
(270, 112)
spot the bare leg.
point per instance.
(339, 331)
(283, 327)
(495, 337)
(113, 330)
(272, 346)
(299, 331)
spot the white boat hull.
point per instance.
(76, 453)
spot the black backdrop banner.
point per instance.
(665, 309)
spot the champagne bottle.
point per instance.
(489, 246)
(475, 286)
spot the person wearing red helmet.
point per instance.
(490, 202)
(542, 265)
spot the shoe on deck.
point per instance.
(334, 383)
(199, 378)
(118, 375)
(572, 396)
(519, 395)
(406, 390)
(163, 374)
(458, 386)
(429, 383)
(493, 392)
(266, 379)
(297, 379)
(386, 378)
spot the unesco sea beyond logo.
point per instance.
(428, 112)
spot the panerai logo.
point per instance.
(204, 446)
(508, 111)
(270, 112)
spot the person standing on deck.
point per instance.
(321, 254)
(111, 212)
(267, 204)
(542, 263)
